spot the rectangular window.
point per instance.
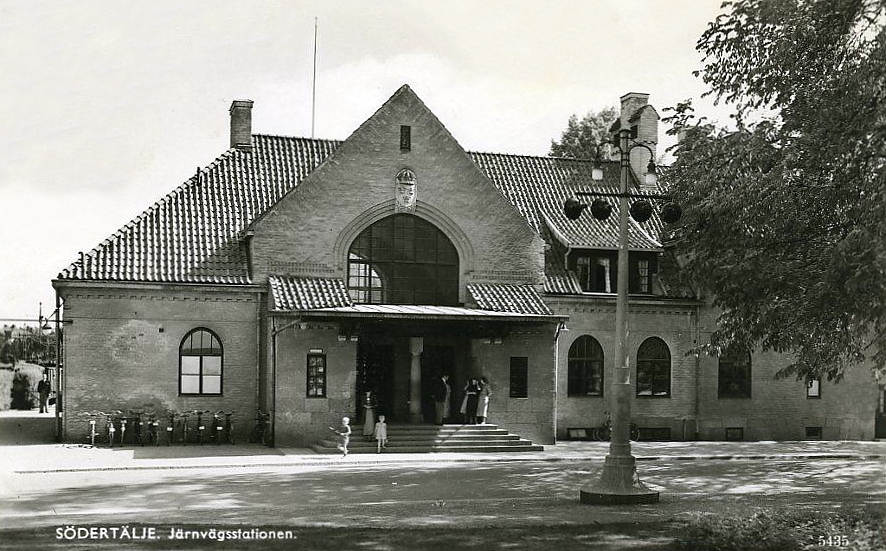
(405, 138)
(813, 433)
(596, 272)
(735, 434)
(316, 387)
(519, 377)
(813, 388)
(642, 268)
(643, 276)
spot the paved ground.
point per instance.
(44, 486)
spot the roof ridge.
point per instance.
(285, 137)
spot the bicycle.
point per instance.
(184, 423)
(92, 432)
(260, 430)
(200, 426)
(170, 428)
(603, 433)
(110, 429)
(138, 425)
(153, 425)
(217, 428)
(229, 426)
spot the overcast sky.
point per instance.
(107, 106)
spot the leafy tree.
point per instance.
(581, 138)
(784, 224)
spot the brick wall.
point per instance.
(777, 409)
(671, 321)
(531, 417)
(301, 420)
(308, 232)
(122, 351)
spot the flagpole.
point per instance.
(314, 82)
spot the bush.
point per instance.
(6, 376)
(24, 385)
(863, 530)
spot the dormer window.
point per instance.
(597, 271)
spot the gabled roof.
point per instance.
(538, 186)
(195, 234)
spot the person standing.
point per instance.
(43, 389)
(441, 399)
(381, 433)
(472, 396)
(368, 415)
(483, 406)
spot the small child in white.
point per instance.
(381, 433)
(344, 433)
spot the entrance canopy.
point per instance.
(328, 298)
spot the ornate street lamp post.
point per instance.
(619, 483)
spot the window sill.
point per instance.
(647, 396)
(584, 396)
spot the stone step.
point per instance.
(511, 440)
(522, 448)
(434, 438)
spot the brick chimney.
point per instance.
(241, 124)
(642, 120)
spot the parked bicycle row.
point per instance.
(140, 428)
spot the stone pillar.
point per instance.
(416, 346)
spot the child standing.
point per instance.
(344, 434)
(381, 433)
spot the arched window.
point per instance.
(200, 363)
(734, 375)
(653, 368)
(585, 375)
(403, 259)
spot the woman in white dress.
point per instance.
(483, 406)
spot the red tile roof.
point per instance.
(195, 233)
(307, 293)
(517, 299)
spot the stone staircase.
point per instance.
(433, 438)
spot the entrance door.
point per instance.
(436, 361)
(375, 372)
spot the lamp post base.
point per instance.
(618, 485)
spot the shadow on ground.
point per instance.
(24, 428)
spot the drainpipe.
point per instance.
(273, 416)
(59, 433)
(696, 409)
(274, 332)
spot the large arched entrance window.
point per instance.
(403, 259)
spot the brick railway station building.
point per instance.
(293, 274)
